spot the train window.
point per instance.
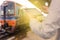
(1, 11)
(10, 8)
(17, 10)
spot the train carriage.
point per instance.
(9, 11)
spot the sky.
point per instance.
(1, 1)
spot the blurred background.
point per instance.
(29, 9)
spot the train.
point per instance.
(9, 12)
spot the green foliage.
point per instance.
(21, 31)
(23, 27)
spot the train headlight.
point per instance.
(9, 10)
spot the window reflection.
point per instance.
(10, 8)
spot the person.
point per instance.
(51, 24)
(52, 21)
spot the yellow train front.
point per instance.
(8, 13)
